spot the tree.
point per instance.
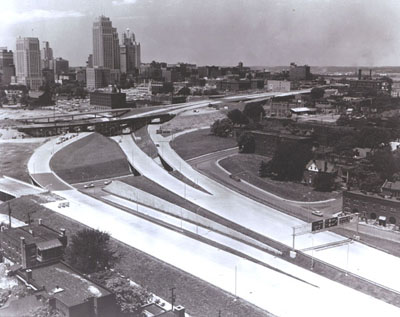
(384, 163)
(80, 92)
(324, 182)
(372, 183)
(45, 311)
(372, 137)
(317, 93)
(264, 169)
(346, 143)
(246, 143)
(254, 112)
(222, 127)
(290, 160)
(185, 91)
(90, 251)
(130, 298)
(237, 117)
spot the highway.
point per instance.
(209, 165)
(268, 221)
(230, 272)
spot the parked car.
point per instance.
(317, 213)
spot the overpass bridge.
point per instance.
(13, 188)
(118, 121)
(105, 125)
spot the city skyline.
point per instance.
(328, 33)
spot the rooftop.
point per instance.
(391, 185)
(63, 283)
(33, 234)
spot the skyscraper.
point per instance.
(130, 53)
(28, 63)
(7, 68)
(105, 44)
(47, 55)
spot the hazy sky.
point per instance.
(220, 32)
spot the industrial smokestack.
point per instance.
(370, 74)
(359, 74)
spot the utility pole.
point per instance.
(235, 280)
(173, 297)
(9, 214)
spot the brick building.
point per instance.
(108, 100)
(33, 245)
(267, 142)
(391, 189)
(372, 206)
(299, 72)
(69, 291)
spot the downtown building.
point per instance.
(106, 55)
(7, 68)
(129, 53)
(47, 55)
(28, 62)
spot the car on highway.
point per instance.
(339, 214)
(107, 182)
(317, 213)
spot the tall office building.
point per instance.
(105, 44)
(7, 68)
(130, 53)
(59, 65)
(47, 55)
(27, 62)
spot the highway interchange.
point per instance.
(238, 273)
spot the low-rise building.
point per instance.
(266, 143)
(69, 291)
(372, 206)
(315, 167)
(279, 85)
(391, 189)
(107, 100)
(33, 245)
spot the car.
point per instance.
(338, 214)
(107, 182)
(91, 185)
(317, 213)
(86, 186)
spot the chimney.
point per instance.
(370, 74)
(179, 311)
(62, 230)
(23, 253)
(29, 275)
(326, 166)
(40, 221)
(359, 74)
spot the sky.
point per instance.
(218, 32)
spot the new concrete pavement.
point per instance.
(263, 287)
(356, 258)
